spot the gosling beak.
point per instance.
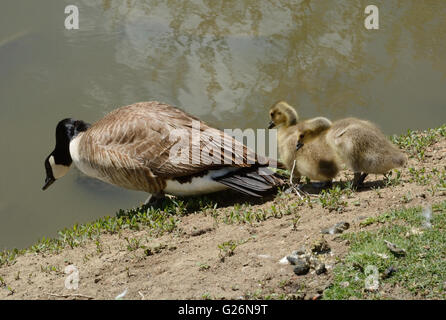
(271, 125)
(48, 181)
(299, 145)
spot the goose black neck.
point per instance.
(66, 131)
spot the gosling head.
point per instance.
(59, 161)
(311, 129)
(300, 141)
(282, 113)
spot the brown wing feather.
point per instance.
(135, 140)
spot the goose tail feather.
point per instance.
(251, 181)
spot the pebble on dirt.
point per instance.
(320, 246)
(320, 268)
(301, 267)
(395, 249)
(337, 228)
(389, 272)
(304, 261)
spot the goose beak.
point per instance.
(48, 181)
(299, 145)
(271, 125)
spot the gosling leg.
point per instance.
(297, 189)
(358, 179)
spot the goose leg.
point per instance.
(154, 199)
(358, 179)
(148, 199)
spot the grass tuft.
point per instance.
(416, 142)
(421, 272)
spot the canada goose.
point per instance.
(134, 147)
(364, 148)
(316, 161)
(359, 144)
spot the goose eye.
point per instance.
(301, 136)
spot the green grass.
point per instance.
(420, 176)
(203, 266)
(245, 213)
(227, 248)
(4, 285)
(416, 142)
(334, 199)
(393, 180)
(421, 273)
(155, 221)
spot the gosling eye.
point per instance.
(301, 136)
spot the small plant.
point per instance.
(49, 269)
(154, 250)
(334, 199)
(246, 213)
(206, 296)
(227, 248)
(441, 185)
(98, 246)
(416, 142)
(129, 274)
(133, 244)
(295, 222)
(203, 266)
(420, 176)
(349, 185)
(393, 180)
(284, 283)
(378, 192)
(407, 197)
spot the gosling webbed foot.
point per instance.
(297, 189)
(323, 184)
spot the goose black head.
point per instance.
(59, 161)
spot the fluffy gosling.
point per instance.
(317, 161)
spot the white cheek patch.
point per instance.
(58, 170)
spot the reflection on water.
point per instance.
(224, 61)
